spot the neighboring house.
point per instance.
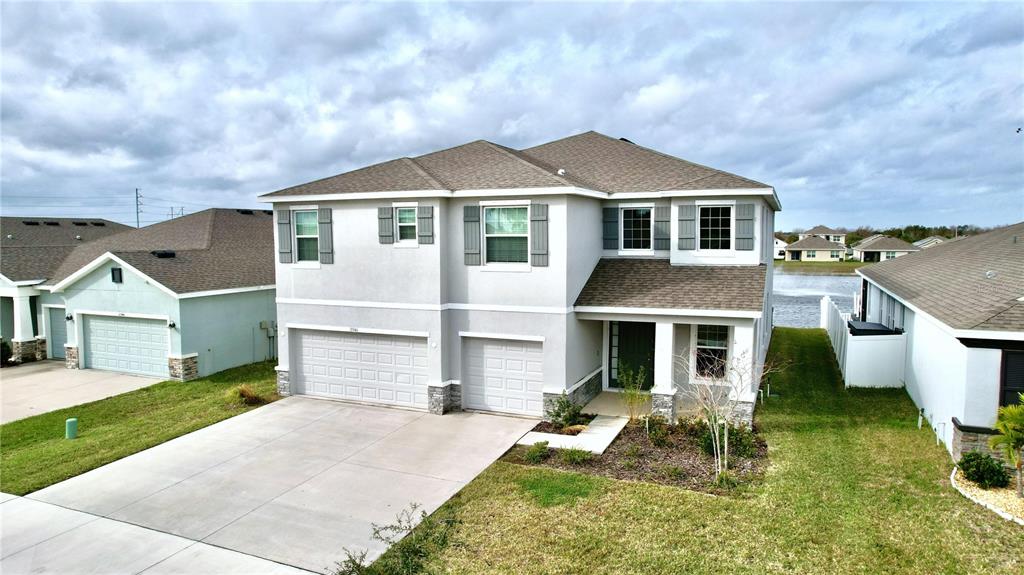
(815, 249)
(180, 299)
(825, 233)
(960, 306)
(488, 278)
(929, 242)
(780, 249)
(879, 248)
(31, 249)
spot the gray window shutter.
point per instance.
(687, 227)
(325, 232)
(425, 224)
(611, 228)
(284, 236)
(471, 234)
(539, 235)
(745, 227)
(386, 225)
(662, 228)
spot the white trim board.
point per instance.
(346, 329)
(512, 336)
(669, 311)
(227, 291)
(425, 306)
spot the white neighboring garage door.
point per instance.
(386, 369)
(126, 344)
(503, 375)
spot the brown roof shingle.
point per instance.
(886, 244)
(34, 251)
(973, 283)
(815, 243)
(656, 283)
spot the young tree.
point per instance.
(1010, 425)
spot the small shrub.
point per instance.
(411, 544)
(693, 427)
(742, 441)
(658, 432)
(245, 395)
(983, 469)
(564, 412)
(633, 394)
(726, 480)
(673, 472)
(576, 456)
(633, 451)
(537, 452)
(630, 464)
(574, 429)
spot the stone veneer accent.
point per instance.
(664, 405)
(582, 395)
(71, 357)
(284, 385)
(443, 399)
(183, 368)
(24, 351)
(40, 348)
(743, 413)
(970, 438)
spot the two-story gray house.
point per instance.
(486, 278)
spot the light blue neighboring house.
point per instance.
(180, 299)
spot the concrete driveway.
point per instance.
(294, 482)
(43, 386)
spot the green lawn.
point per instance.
(818, 268)
(853, 487)
(34, 453)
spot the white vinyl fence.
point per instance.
(865, 360)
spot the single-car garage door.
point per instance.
(126, 344)
(386, 369)
(503, 375)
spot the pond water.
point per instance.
(797, 297)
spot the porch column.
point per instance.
(663, 394)
(23, 344)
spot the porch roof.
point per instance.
(656, 283)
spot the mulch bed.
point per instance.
(682, 462)
(548, 427)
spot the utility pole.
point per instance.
(138, 207)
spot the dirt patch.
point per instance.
(548, 427)
(678, 461)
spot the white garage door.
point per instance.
(503, 375)
(387, 369)
(126, 344)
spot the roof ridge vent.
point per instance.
(30, 222)
(163, 254)
(245, 212)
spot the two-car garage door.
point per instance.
(375, 368)
(125, 344)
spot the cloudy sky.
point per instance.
(879, 114)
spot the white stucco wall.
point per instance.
(225, 329)
(723, 257)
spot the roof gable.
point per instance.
(815, 243)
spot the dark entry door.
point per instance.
(796, 255)
(632, 344)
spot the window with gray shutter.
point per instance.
(539, 235)
(611, 228)
(662, 229)
(386, 225)
(326, 230)
(687, 227)
(745, 227)
(284, 236)
(471, 234)
(425, 224)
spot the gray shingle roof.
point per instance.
(656, 283)
(815, 243)
(824, 230)
(33, 252)
(949, 281)
(590, 160)
(214, 249)
(886, 244)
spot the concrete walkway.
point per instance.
(43, 386)
(295, 482)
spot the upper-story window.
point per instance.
(636, 228)
(716, 227)
(307, 238)
(406, 221)
(506, 234)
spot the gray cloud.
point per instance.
(859, 114)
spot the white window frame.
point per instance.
(694, 328)
(731, 204)
(811, 253)
(890, 255)
(623, 250)
(834, 254)
(504, 266)
(295, 238)
(415, 241)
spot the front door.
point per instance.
(631, 344)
